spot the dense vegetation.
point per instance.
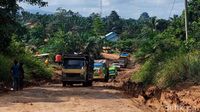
(169, 58)
(11, 47)
(158, 44)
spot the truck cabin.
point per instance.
(123, 61)
(112, 71)
(74, 63)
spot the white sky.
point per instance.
(125, 8)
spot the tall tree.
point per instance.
(8, 24)
(98, 26)
(114, 23)
(144, 16)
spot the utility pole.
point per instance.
(186, 20)
(101, 8)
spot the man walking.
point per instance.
(21, 76)
(15, 75)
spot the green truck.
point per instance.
(112, 72)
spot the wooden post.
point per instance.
(186, 20)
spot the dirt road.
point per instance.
(54, 98)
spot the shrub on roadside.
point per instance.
(5, 65)
(170, 71)
(34, 68)
(145, 75)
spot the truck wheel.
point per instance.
(90, 83)
(85, 84)
(64, 84)
(106, 78)
(70, 84)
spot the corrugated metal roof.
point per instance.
(112, 36)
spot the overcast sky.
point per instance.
(125, 8)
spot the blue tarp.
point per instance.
(124, 55)
(98, 64)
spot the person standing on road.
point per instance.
(15, 75)
(21, 76)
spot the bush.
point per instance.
(34, 68)
(181, 68)
(5, 65)
(170, 71)
(145, 75)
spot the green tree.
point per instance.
(8, 24)
(113, 23)
(144, 16)
(36, 35)
(98, 26)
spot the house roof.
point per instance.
(112, 36)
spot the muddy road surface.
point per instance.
(54, 98)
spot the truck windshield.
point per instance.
(111, 71)
(73, 63)
(98, 65)
(121, 61)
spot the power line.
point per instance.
(172, 8)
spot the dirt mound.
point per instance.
(110, 56)
(170, 100)
(179, 99)
(126, 73)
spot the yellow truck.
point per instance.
(77, 69)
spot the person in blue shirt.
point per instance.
(21, 75)
(15, 75)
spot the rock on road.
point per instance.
(54, 98)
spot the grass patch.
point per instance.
(34, 68)
(170, 71)
(145, 74)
